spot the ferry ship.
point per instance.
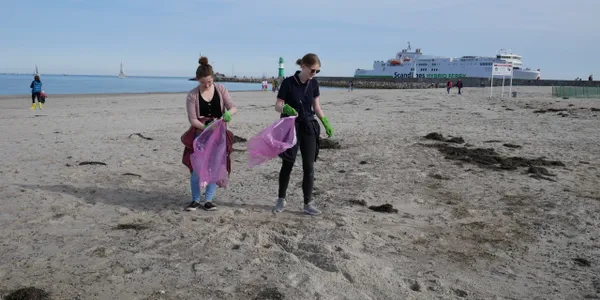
(413, 64)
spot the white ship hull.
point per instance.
(408, 64)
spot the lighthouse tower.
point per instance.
(281, 75)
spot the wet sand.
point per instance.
(467, 226)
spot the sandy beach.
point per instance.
(470, 224)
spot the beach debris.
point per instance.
(28, 293)
(594, 109)
(141, 135)
(543, 111)
(413, 285)
(487, 157)
(358, 202)
(329, 143)
(509, 109)
(363, 162)
(239, 139)
(460, 293)
(269, 294)
(436, 136)
(540, 173)
(385, 208)
(582, 262)
(136, 227)
(131, 174)
(512, 146)
(92, 163)
(438, 176)
(493, 141)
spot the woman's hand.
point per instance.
(288, 110)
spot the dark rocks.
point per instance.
(512, 146)
(329, 143)
(385, 208)
(358, 202)
(582, 262)
(436, 136)
(28, 293)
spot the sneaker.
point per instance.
(193, 206)
(310, 209)
(279, 205)
(210, 206)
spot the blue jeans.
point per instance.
(211, 188)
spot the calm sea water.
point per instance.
(76, 84)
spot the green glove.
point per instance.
(288, 110)
(227, 116)
(328, 128)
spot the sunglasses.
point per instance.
(313, 71)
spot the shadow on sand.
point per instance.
(155, 201)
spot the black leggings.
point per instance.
(35, 95)
(308, 147)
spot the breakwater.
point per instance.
(423, 83)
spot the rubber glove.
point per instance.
(227, 116)
(328, 128)
(288, 110)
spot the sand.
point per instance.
(462, 231)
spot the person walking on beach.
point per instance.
(351, 86)
(299, 96)
(205, 103)
(36, 90)
(459, 85)
(448, 86)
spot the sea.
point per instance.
(18, 84)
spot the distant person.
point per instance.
(351, 86)
(448, 86)
(36, 90)
(275, 85)
(459, 86)
(591, 78)
(299, 96)
(205, 103)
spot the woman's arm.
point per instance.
(317, 107)
(227, 100)
(191, 111)
(279, 105)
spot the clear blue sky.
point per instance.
(160, 37)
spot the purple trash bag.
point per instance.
(273, 140)
(209, 159)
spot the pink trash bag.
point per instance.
(209, 159)
(273, 140)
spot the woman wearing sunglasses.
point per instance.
(299, 96)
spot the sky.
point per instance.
(247, 37)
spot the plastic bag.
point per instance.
(209, 159)
(273, 140)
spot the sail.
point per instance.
(121, 72)
(36, 72)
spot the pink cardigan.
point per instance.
(193, 106)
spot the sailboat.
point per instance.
(36, 72)
(121, 72)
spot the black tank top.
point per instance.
(210, 109)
